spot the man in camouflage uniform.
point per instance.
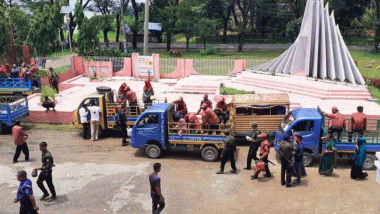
(46, 173)
(228, 153)
(255, 144)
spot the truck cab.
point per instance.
(14, 86)
(155, 131)
(11, 109)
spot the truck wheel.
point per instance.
(210, 154)
(307, 159)
(369, 162)
(1, 129)
(153, 151)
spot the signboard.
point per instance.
(144, 66)
(127, 29)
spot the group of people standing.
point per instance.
(291, 156)
(90, 117)
(25, 191)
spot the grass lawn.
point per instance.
(55, 127)
(232, 91)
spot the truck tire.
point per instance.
(369, 162)
(307, 159)
(1, 128)
(153, 151)
(210, 154)
(103, 89)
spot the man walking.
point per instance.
(228, 153)
(85, 117)
(95, 118)
(287, 150)
(337, 121)
(25, 195)
(358, 123)
(264, 152)
(255, 143)
(53, 80)
(20, 137)
(46, 173)
(158, 201)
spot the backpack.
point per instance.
(117, 118)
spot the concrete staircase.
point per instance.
(195, 89)
(305, 88)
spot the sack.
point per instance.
(34, 173)
(117, 118)
(260, 166)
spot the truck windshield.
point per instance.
(289, 119)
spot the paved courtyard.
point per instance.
(103, 177)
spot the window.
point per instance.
(149, 120)
(304, 126)
(87, 102)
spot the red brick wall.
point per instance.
(50, 117)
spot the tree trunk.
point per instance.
(135, 31)
(117, 27)
(377, 31)
(241, 41)
(168, 41)
(225, 25)
(62, 35)
(204, 43)
(105, 34)
(187, 43)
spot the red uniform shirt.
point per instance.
(131, 97)
(223, 107)
(209, 117)
(33, 69)
(264, 149)
(337, 120)
(358, 121)
(181, 105)
(18, 135)
(193, 119)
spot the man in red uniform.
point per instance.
(181, 109)
(221, 110)
(264, 152)
(194, 121)
(33, 71)
(358, 123)
(209, 118)
(20, 137)
(132, 100)
(205, 101)
(337, 121)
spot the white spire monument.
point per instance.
(319, 50)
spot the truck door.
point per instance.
(148, 129)
(310, 136)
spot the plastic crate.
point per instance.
(377, 164)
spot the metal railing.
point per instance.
(117, 62)
(167, 65)
(219, 67)
(251, 63)
(177, 128)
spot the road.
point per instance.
(103, 177)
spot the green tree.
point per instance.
(104, 23)
(79, 14)
(376, 26)
(187, 21)
(220, 10)
(5, 30)
(244, 7)
(88, 36)
(293, 29)
(207, 29)
(168, 18)
(20, 23)
(41, 35)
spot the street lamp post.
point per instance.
(67, 10)
(146, 26)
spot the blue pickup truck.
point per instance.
(13, 86)
(155, 131)
(12, 109)
(311, 123)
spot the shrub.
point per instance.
(208, 51)
(293, 29)
(47, 91)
